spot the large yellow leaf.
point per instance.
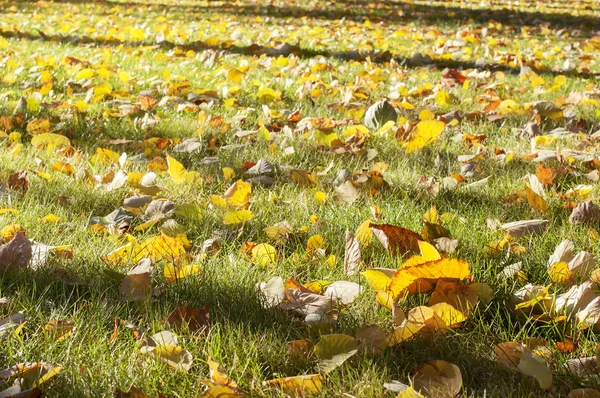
(422, 278)
(237, 217)
(315, 242)
(535, 200)
(159, 248)
(419, 320)
(173, 273)
(428, 253)
(238, 193)
(334, 349)
(264, 254)
(424, 133)
(50, 140)
(378, 279)
(298, 386)
(179, 174)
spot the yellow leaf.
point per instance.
(315, 242)
(84, 74)
(237, 217)
(238, 193)
(264, 254)
(426, 114)
(50, 374)
(50, 140)
(317, 286)
(63, 167)
(173, 273)
(421, 278)
(428, 253)
(509, 107)
(15, 149)
(298, 386)
(378, 280)
(176, 170)
(217, 201)
(303, 177)
(175, 356)
(10, 210)
(10, 231)
(431, 215)
(535, 200)
(385, 300)
(50, 218)
(228, 173)
(443, 98)
(105, 156)
(266, 94)
(560, 273)
(38, 126)
(424, 133)
(219, 377)
(364, 234)
(450, 315)
(320, 197)
(235, 75)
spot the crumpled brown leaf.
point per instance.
(16, 253)
(584, 213)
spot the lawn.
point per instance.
(306, 198)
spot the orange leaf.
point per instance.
(397, 240)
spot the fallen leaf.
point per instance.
(438, 379)
(397, 240)
(334, 349)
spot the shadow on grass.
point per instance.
(421, 13)
(385, 11)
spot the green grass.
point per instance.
(247, 340)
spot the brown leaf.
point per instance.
(302, 348)
(133, 392)
(545, 174)
(351, 255)
(347, 192)
(373, 339)
(433, 231)
(16, 253)
(397, 240)
(585, 213)
(196, 319)
(438, 379)
(115, 332)
(18, 181)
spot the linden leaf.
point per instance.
(264, 254)
(334, 349)
(438, 379)
(50, 140)
(298, 386)
(363, 234)
(176, 170)
(379, 279)
(303, 177)
(173, 273)
(237, 217)
(16, 253)
(424, 133)
(238, 193)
